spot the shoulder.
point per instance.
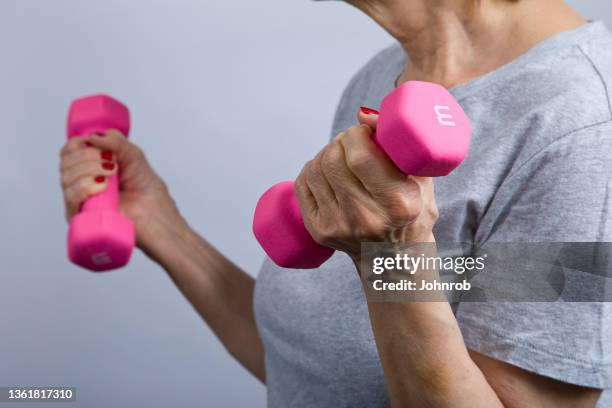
(571, 91)
(573, 112)
(597, 54)
(579, 83)
(551, 102)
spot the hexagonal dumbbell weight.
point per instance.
(100, 238)
(421, 128)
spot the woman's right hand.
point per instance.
(86, 164)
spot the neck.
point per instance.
(453, 41)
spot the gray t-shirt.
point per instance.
(538, 170)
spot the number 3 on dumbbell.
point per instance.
(445, 119)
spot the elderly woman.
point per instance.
(534, 78)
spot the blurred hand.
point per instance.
(86, 163)
(352, 192)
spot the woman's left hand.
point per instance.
(352, 192)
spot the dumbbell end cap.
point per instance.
(423, 129)
(96, 114)
(100, 240)
(279, 227)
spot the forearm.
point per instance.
(219, 291)
(423, 355)
(425, 361)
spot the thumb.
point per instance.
(368, 116)
(116, 142)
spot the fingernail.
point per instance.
(100, 179)
(108, 166)
(88, 144)
(368, 111)
(106, 155)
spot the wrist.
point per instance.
(162, 236)
(424, 238)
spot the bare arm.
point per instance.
(351, 193)
(219, 291)
(426, 364)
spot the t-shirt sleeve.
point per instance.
(562, 193)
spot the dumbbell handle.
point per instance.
(108, 199)
(105, 200)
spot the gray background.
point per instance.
(227, 97)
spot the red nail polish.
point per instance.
(108, 166)
(368, 111)
(106, 155)
(88, 144)
(100, 179)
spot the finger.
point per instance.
(89, 154)
(428, 196)
(318, 184)
(114, 141)
(90, 168)
(73, 145)
(308, 204)
(367, 116)
(346, 186)
(368, 163)
(81, 189)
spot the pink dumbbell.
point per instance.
(100, 238)
(421, 128)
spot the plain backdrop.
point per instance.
(227, 97)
